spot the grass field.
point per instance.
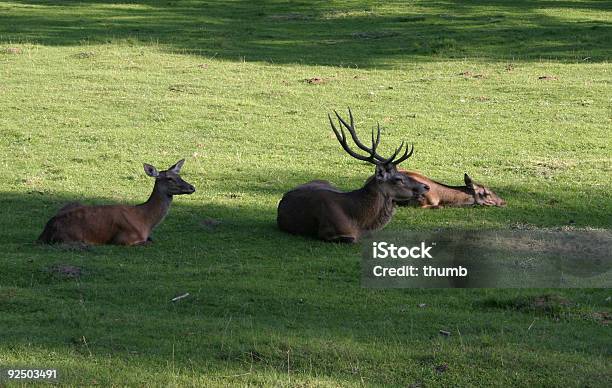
(517, 94)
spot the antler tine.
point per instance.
(351, 128)
(397, 150)
(373, 155)
(406, 155)
(340, 135)
(351, 118)
(376, 142)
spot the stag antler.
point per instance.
(341, 136)
(405, 156)
(373, 157)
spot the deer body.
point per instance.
(330, 214)
(321, 210)
(117, 224)
(441, 195)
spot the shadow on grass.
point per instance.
(255, 294)
(349, 34)
(28, 212)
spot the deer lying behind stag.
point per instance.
(440, 195)
(320, 210)
(118, 224)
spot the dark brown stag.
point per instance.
(118, 224)
(321, 210)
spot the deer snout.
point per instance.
(190, 189)
(421, 189)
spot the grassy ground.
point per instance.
(89, 91)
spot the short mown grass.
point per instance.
(515, 93)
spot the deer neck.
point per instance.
(373, 208)
(156, 207)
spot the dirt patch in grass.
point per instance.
(547, 78)
(182, 88)
(469, 74)
(85, 55)
(603, 317)
(316, 80)
(547, 304)
(65, 271)
(554, 306)
(548, 168)
(12, 50)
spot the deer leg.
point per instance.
(430, 203)
(333, 233)
(343, 239)
(431, 206)
(148, 241)
(129, 238)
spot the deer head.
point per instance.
(169, 182)
(386, 176)
(482, 195)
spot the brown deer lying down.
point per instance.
(320, 210)
(118, 224)
(440, 195)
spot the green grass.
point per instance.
(97, 89)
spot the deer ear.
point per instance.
(177, 167)
(150, 170)
(468, 181)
